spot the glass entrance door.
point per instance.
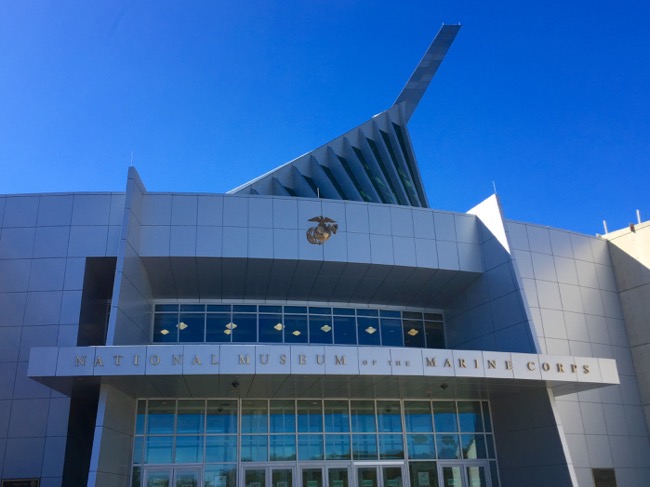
(380, 475)
(172, 477)
(464, 474)
(267, 476)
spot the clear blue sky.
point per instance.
(549, 99)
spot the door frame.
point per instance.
(463, 464)
(268, 468)
(171, 469)
(378, 465)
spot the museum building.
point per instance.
(319, 326)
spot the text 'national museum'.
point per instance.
(319, 326)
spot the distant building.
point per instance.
(319, 326)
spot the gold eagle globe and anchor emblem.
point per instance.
(321, 233)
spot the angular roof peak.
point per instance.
(373, 162)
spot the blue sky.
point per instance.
(549, 99)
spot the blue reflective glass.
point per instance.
(140, 418)
(389, 416)
(337, 417)
(189, 449)
(245, 330)
(270, 309)
(448, 446)
(164, 328)
(190, 416)
(391, 332)
(295, 309)
(320, 329)
(385, 313)
(160, 419)
(254, 417)
(345, 332)
(413, 334)
(254, 448)
(344, 311)
(391, 446)
(421, 446)
(363, 416)
(337, 447)
(310, 416)
(197, 308)
(367, 312)
(364, 447)
(220, 448)
(159, 449)
(282, 447)
(220, 308)
(444, 416)
(320, 311)
(271, 328)
(244, 308)
(216, 329)
(417, 416)
(295, 329)
(310, 447)
(283, 417)
(191, 327)
(221, 417)
(368, 331)
(469, 416)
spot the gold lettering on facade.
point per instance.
(117, 358)
(283, 359)
(196, 360)
(340, 360)
(80, 360)
(136, 360)
(154, 360)
(531, 365)
(476, 365)
(461, 363)
(574, 368)
(585, 369)
(492, 364)
(99, 362)
(213, 359)
(448, 363)
(546, 367)
(560, 368)
(264, 358)
(320, 359)
(508, 364)
(302, 359)
(244, 360)
(431, 362)
(177, 359)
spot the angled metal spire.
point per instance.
(426, 69)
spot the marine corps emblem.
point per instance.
(321, 233)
